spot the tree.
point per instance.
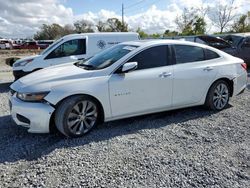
(155, 35)
(191, 22)
(112, 25)
(115, 25)
(184, 21)
(83, 26)
(241, 25)
(199, 26)
(68, 29)
(53, 31)
(101, 26)
(223, 15)
(49, 32)
(141, 33)
(169, 33)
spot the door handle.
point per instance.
(208, 68)
(165, 74)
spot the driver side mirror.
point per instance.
(129, 66)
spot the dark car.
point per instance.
(209, 40)
(217, 42)
(241, 42)
(30, 45)
(44, 43)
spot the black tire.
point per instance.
(213, 97)
(67, 107)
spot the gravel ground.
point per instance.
(190, 147)
(6, 77)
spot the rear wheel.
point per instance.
(77, 115)
(218, 96)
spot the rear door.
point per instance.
(145, 89)
(70, 51)
(193, 73)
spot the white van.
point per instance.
(4, 44)
(70, 48)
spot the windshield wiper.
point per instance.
(88, 67)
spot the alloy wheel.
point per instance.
(82, 117)
(221, 96)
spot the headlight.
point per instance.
(32, 97)
(22, 63)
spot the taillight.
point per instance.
(244, 66)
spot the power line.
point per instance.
(131, 6)
(135, 4)
(146, 5)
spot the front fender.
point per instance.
(97, 88)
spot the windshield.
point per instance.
(215, 42)
(51, 46)
(107, 57)
(233, 39)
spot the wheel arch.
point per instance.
(52, 126)
(230, 83)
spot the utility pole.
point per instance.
(122, 17)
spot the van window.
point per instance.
(51, 46)
(68, 48)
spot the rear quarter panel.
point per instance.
(231, 69)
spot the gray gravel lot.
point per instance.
(190, 147)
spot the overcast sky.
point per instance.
(22, 18)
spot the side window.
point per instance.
(191, 39)
(246, 43)
(219, 44)
(211, 55)
(151, 57)
(187, 54)
(198, 40)
(229, 39)
(68, 48)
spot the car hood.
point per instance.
(45, 79)
(28, 57)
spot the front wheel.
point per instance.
(76, 116)
(218, 96)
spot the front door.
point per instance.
(149, 88)
(69, 51)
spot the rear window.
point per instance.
(188, 54)
(211, 54)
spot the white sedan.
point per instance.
(129, 79)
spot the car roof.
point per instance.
(241, 34)
(147, 43)
(162, 41)
(98, 34)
